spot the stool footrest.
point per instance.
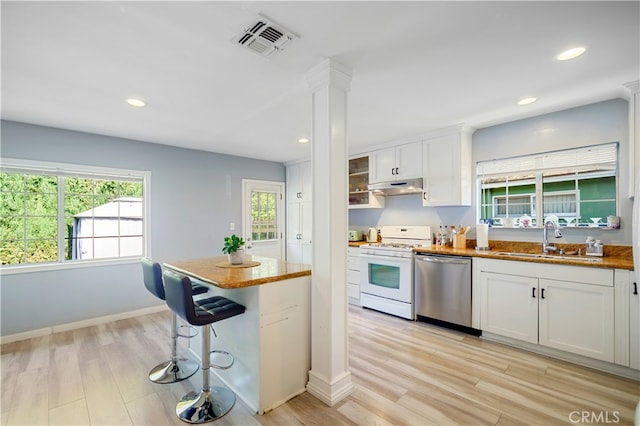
(226, 354)
(190, 327)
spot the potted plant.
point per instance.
(233, 248)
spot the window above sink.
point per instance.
(577, 187)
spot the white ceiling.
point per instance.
(417, 66)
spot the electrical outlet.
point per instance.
(232, 226)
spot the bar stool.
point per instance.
(210, 403)
(176, 369)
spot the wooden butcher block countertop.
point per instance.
(615, 257)
(217, 271)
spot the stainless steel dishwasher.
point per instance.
(443, 289)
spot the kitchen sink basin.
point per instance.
(506, 253)
(547, 256)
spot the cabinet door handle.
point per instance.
(393, 171)
(397, 171)
(533, 292)
(635, 288)
(542, 293)
(424, 196)
(299, 195)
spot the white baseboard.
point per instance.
(608, 367)
(81, 324)
(330, 392)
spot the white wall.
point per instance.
(194, 197)
(587, 125)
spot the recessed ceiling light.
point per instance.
(527, 101)
(571, 53)
(135, 102)
(303, 140)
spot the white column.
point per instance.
(634, 133)
(329, 378)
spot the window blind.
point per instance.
(596, 157)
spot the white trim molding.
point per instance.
(81, 324)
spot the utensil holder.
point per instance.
(460, 241)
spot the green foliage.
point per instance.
(232, 244)
(29, 212)
(263, 215)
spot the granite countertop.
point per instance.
(615, 257)
(269, 270)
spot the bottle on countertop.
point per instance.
(594, 247)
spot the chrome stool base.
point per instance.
(205, 406)
(173, 371)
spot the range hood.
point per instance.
(397, 187)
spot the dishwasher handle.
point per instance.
(447, 260)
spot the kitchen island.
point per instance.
(271, 341)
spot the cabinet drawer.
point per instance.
(353, 263)
(353, 251)
(353, 277)
(581, 274)
(353, 291)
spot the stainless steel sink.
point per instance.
(506, 253)
(547, 256)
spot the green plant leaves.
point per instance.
(232, 244)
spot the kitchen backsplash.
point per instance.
(408, 210)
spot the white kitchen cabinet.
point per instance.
(447, 176)
(509, 306)
(577, 318)
(627, 319)
(353, 275)
(299, 213)
(396, 163)
(299, 225)
(634, 134)
(299, 182)
(634, 324)
(359, 196)
(567, 308)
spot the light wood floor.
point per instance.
(403, 373)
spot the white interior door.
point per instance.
(263, 218)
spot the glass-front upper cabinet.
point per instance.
(359, 194)
(575, 188)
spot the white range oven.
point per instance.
(386, 270)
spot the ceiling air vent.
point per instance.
(265, 37)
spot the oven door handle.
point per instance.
(433, 259)
(382, 257)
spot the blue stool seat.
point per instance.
(175, 369)
(210, 403)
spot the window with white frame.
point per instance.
(61, 213)
(577, 187)
(264, 223)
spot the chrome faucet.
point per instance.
(546, 247)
